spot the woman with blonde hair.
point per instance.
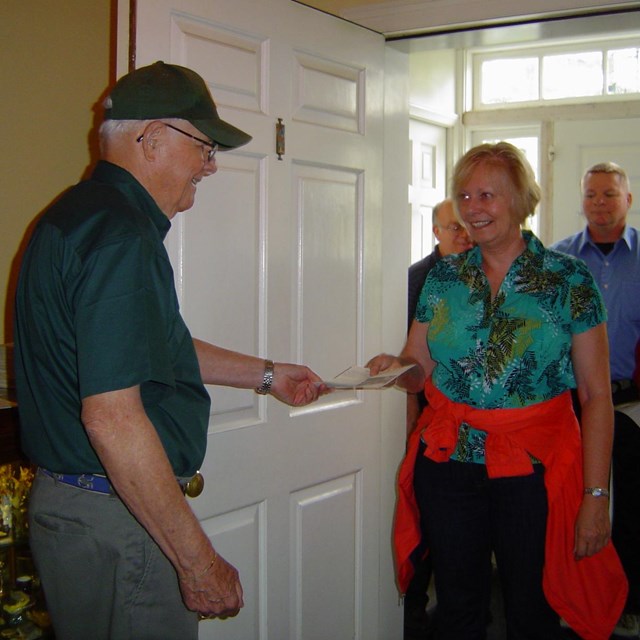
(498, 464)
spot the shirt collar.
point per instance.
(585, 238)
(121, 179)
(532, 245)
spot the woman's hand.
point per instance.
(382, 362)
(593, 527)
(590, 357)
(412, 380)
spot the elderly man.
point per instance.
(452, 238)
(110, 383)
(611, 249)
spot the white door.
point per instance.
(581, 144)
(281, 257)
(428, 182)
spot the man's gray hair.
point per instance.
(436, 210)
(113, 129)
(607, 167)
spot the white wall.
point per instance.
(432, 81)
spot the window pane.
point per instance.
(510, 80)
(623, 71)
(571, 75)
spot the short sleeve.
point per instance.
(119, 321)
(586, 304)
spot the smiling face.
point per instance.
(182, 164)
(605, 203)
(452, 236)
(485, 204)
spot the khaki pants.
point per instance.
(104, 578)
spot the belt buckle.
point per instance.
(195, 485)
(85, 481)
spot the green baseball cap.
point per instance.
(163, 90)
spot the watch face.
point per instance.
(598, 492)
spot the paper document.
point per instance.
(361, 378)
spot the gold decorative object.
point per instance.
(15, 485)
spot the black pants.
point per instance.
(466, 517)
(626, 503)
(626, 493)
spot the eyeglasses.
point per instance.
(213, 147)
(454, 228)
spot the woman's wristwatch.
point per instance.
(597, 492)
(267, 378)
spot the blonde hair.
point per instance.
(607, 167)
(526, 192)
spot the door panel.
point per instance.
(214, 258)
(281, 258)
(329, 210)
(428, 183)
(579, 145)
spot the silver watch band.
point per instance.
(598, 492)
(267, 378)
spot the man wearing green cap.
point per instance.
(110, 383)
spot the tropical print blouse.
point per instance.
(514, 350)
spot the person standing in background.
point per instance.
(452, 238)
(611, 250)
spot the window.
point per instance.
(572, 75)
(543, 75)
(623, 71)
(509, 80)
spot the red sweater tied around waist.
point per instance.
(590, 593)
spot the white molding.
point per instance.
(433, 117)
(412, 17)
(550, 113)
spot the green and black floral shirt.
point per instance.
(514, 350)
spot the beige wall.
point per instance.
(54, 65)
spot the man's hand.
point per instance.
(296, 385)
(215, 593)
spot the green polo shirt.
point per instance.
(97, 311)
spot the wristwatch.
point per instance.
(597, 492)
(267, 379)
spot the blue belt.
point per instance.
(87, 481)
(100, 484)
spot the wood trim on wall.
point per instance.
(133, 17)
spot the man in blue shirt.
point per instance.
(611, 250)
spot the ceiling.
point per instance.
(399, 19)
